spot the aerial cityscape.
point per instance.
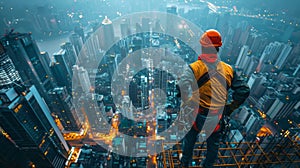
(94, 83)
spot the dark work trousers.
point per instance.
(188, 142)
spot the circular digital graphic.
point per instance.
(125, 83)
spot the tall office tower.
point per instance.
(253, 125)
(8, 73)
(161, 81)
(227, 47)
(243, 115)
(136, 46)
(257, 84)
(265, 102)
(283, 57)
(92, 43)
(62, 107)
(10, 155)
(70, 54)
(81, 75)
(77, 42)
(46, 62)
(234, 45)
(245, 61)
(92, 48)
(79, 30)
(294, 59)
(107, 34)
(257, 43)
(126, 107)
(283, 106)
(25, 55)
(45, 58)
(26, 119)
(245, 31)
(252, 64)
(125, 29)
(243, 53)
(269, 55)
(139, 90)
(61, 71)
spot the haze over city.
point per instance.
(94, 83)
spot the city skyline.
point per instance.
(107, 83)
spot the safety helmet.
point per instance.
(211, 38)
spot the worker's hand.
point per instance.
(229, 108)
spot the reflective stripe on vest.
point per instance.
(213, 93)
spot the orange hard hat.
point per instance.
(211, 38)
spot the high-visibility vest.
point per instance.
(213, 92)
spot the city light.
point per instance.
(60, 62)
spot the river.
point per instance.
(52, 45)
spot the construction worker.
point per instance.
(212, 76)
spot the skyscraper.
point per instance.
(79, 30)
(245, 27)
(258, 88)
(139, 89)
(243, 115)
(26, 119)
(252, 65)
(81, 75)
(10, 155)
(77, 42)
(125, 29)
(253, 125)
(61, 71)
(107, 34)
(92, 48)
(282, 107)
(70, 54)
(25, 55)
(266, 101)
(243, 53)
(287, 48)
(45, 58)
(8, 72)
(257, 43)
(269, 55)
(293, 59)
(62, 106)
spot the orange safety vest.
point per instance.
(213, 92)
